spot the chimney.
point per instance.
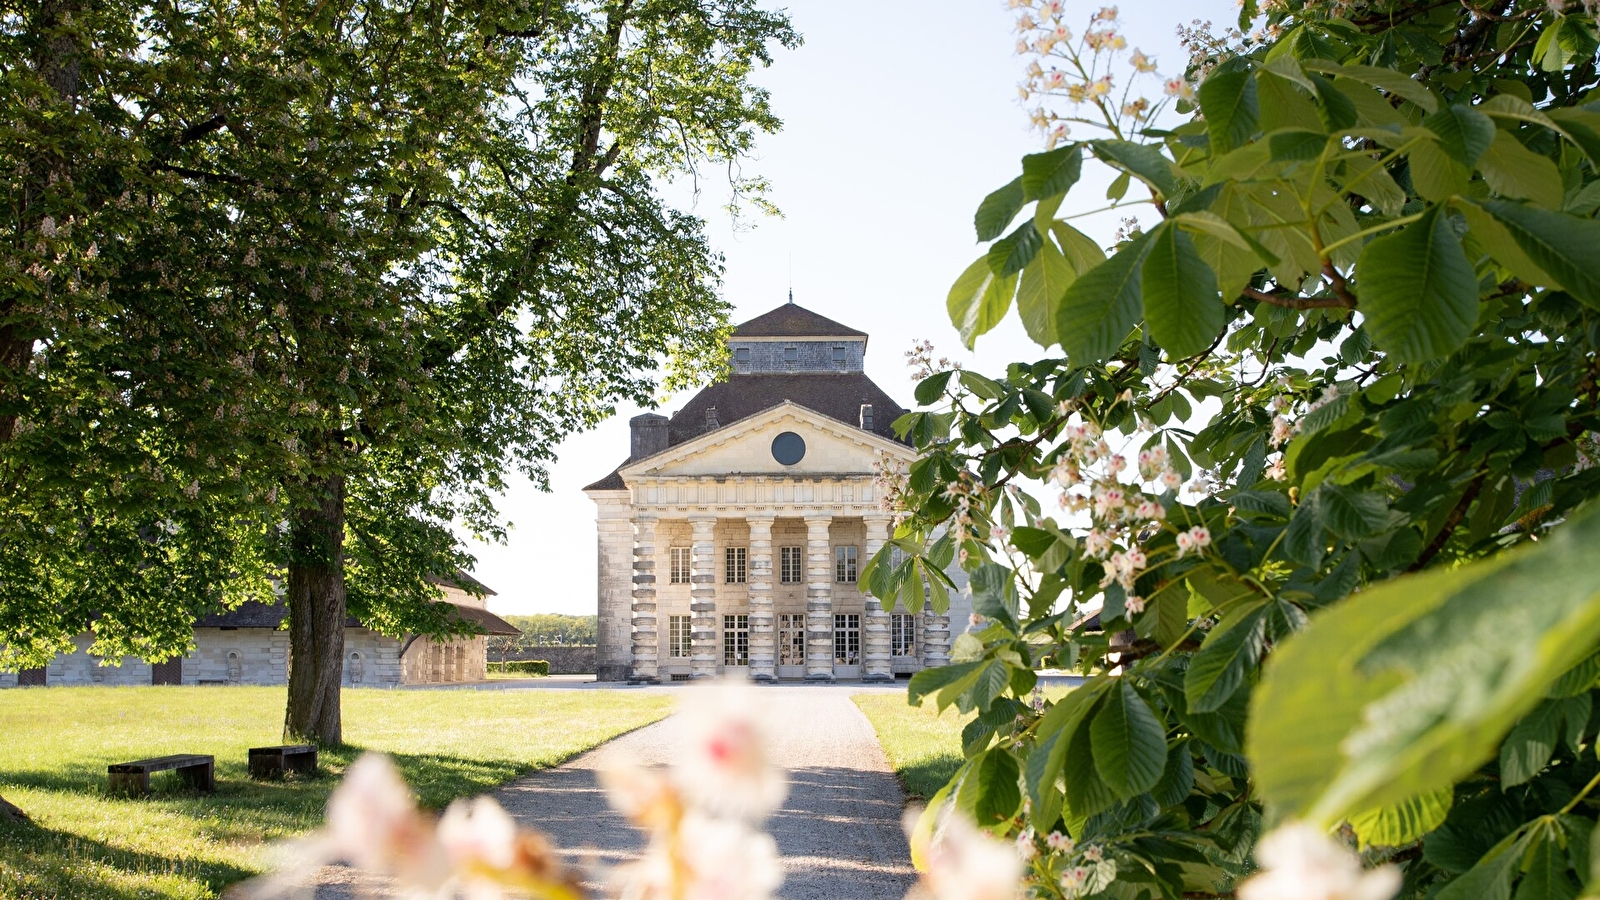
(866, 417)
(649, 433)
(711, 418)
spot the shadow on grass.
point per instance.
(924, 779)
(38, 861)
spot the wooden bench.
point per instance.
(276, 762)
(133, 778)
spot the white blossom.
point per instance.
(1299, 862)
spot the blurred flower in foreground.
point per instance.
(1299, 862)
(962, 862)
(702, 816)
(475, 850)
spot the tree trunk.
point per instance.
(316, 618)
(9, 813)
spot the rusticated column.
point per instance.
(703, 598)
(935, 638)
(875, 628)
(763, 655)
(819, 599)
(646, 626)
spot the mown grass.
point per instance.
(55, 744)
(923, 746)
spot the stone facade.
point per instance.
(734, 547)
(256, 651)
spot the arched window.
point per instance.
(355, 669)
(235, 667)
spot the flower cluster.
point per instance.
(702, 816)
(889, 475)
(920, 360)
(1299, 862)
(475, 849)
(1082, 68)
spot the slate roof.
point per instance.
(837, 395)
(794, 321)
(260, 614)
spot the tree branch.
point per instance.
(1291, 301)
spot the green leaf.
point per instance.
(979, 300)
(1044, 283)
(1228, 99)
(998, 209)
(1102, 306)
(1180, 294)
(1562, 245)
(1418, 290)
(1403, 822)
(1296, 144)
(1544, 869)
(931, 388)
(1383, 79)
(1435, 172)
(1051, 173)
(1143, 161)
(1409, 685)
(934, 680)
(1130, 744)
(1010, 255)
(1351, 514)
(1226, 657)
(1512, 170)
(1529, 745)
(994, 594)
(1463, 133)
(1077, 247)
(1491, 878)
(995, 775)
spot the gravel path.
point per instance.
(838, 832)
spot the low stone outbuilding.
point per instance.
(248, 645)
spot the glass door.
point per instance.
(792, 645)
(735, 643)
(847, 645)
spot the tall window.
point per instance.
(902, 635)
(678, 641)
(680, 565)
(734, 560)
(791, 639)
(844, 564)
(793, 565)
(847, 640)
(736, 640)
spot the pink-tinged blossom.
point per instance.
(1136, 560)
(1026, 848)
(726, 765)
(1299, 862)
(1097, 544)
(1149, 511)
(1134, 605)
(1276, 471)
(1185, 543)
(374, 824)
(1093, 854)
(1201, 536)
(1116, 463)
(965, 863)
(1171, 480)
(1058, 842)
(1282, 430)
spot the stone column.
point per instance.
(703, 598)
(645, 668)
(935, 638)
(819, 599)
(875, 627)
(763, 654)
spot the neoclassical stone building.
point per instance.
(732, 538)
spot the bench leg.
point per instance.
(130, 784)
(201, 777)
(266, 768)
(305, 763)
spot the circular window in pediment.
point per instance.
(788, 448)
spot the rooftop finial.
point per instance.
(791, 295)
(791, 279)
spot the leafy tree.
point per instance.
(546, 629)
(432, 241)
(1361, 325)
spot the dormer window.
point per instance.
(711, 417)
(741, 355)
(791, 354)
(841, 355)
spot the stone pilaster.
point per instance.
(819, 599)
(703, 630)
(646, 661)
(935, 638)
(763, 653)
(875, 624)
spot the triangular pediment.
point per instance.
(752, 446)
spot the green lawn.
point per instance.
(55, 745)
(923, 746)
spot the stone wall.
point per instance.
(771, 356)
(563, 660)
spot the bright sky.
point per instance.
(898, 119)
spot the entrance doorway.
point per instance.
(847, 645)
(735, 643)
(169, 672)
(31, 677)
(792, 645)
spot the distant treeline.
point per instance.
(543, 630)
